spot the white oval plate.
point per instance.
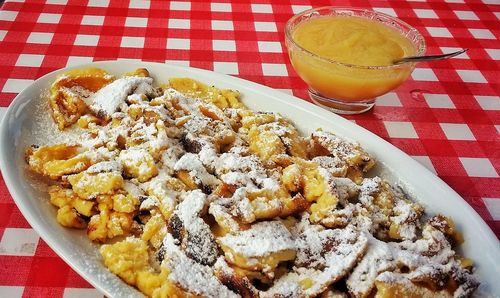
(20, 122)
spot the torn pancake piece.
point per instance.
(71, 90)
(431, 280)
(324, 257)
(428, 261)
(190, 229)
(189, 275)
(235, 280)
(262, 247)
(107, 100)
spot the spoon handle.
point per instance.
(428, 57)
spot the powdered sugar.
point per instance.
(196, 237)
(149, 203)
(382, 257)
(436, 275)
(191, 205)
(378, 258)
(158, 187)
(370, 185)
(191, 276)
(333, 165)
(339, 147)
(78, 92)
(244, 171)
(134, 157)
(191, 163)
(105, 166)
(99, 154)
(45, 130)
(343, 188)
(108, 99)
(221, 210)
(406, 219)
(260, 240)
(323, 257)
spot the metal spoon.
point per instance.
(428, 57)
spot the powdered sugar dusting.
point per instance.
(105, 166)
(45, 130)
(153, 141)
(196, 237)
(323, 257)
(191, 163)
(108, 99)
(260, 240)
(191, 276)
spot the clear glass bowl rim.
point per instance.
(288, 35)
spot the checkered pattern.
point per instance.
(447, 116)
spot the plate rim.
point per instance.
(299, 103)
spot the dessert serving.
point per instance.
(190, 193)
(346, 55)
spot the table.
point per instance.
(447, 116)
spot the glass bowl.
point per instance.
(347, 88)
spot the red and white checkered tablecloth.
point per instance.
(447, 116)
